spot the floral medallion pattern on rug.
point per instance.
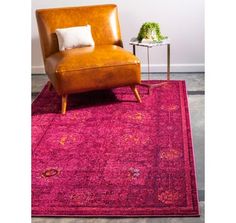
(111, 156)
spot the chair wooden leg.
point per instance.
(63, 104)
(50, 87)
(135, 90)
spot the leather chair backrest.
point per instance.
(102, 18)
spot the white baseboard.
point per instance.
(153, 68)
(174, 68)
(37, 70)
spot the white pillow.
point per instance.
(73, 37)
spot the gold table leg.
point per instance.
(168, 62)
(148, 58)
(134, 51)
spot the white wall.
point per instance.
(181, 20)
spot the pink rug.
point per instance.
(111, 156)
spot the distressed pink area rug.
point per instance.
(111, 156)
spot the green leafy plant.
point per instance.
(150, 30)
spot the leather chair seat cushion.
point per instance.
(88, 68)
(89, 58)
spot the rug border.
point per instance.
(191, 139)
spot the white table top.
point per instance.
(134, 41)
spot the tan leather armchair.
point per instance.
(106, 65)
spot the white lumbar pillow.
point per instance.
(73, 37)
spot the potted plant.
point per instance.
(150, 32)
